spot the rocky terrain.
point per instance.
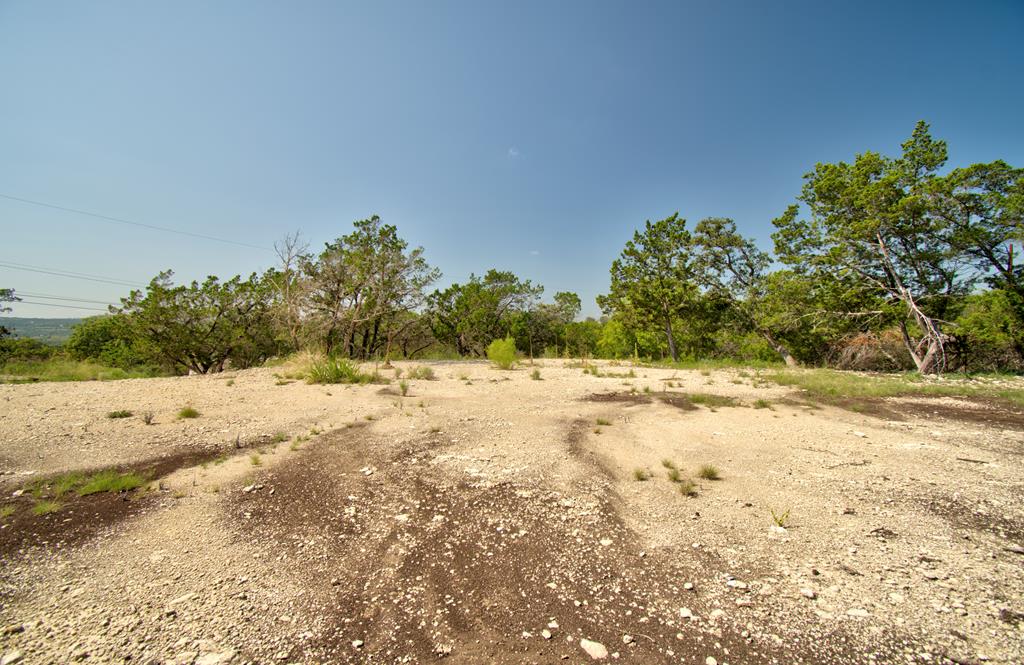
(489, 517)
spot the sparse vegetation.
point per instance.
(423, 373)
(535, 375)
(404, 387)
(603, 421)
(7, 511)
(687, 488)
(780, 520)
(709, 472)
(338, 370)
(674, 475)
(229, 382)
(120, 414)
(762, 404)
(641, 474)
(255, 459)
(668, 464)
(188, 412)
(711, 400)
(147, 417)
(279, 437)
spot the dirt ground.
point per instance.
(490, 517)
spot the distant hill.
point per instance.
(51, 331)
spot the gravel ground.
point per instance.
(488, 517)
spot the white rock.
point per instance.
(860, 434)
(357, 644)
(216, 658)
(808, 593)
(736, 584)
(605, 542)
(627, 639)
(11, 657)
(857, 612)
(546, 634)
(595, 650)
(710, 660)
(183, 599)
(688, 586)
(685, 613)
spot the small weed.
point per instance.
(230, 382)
(398, 372)
(6, 511)
(535, 375)
(705, 372)
(188, 412)
(294, 445)
(120, 414)
(641, 474)
(780, 520)
(604, 422)
(674, 475)
(404, 387)
(597, 430)
(255, 459)
(435, 429)
(45, 507)
(463, 376)
(668, 464)
(647, 389)
(111, 481)
(370, 416)
(762, 404)
(423, 373)
(282, 382)
(147, 417)
(709, 472)
(688, 488)
(314, 432)
(180, 494)
(279, 437)
(712, 401)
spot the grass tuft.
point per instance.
(404, 387)
(188, 412)
(535, 375)
(780, 520)
(423, 373)
(641, 474)
(709, 472)
(120, 414)
(604, 421)
(46, 507)
(688, 488)
(7, 511)
(147, 417)
(762, 404)
(255, 459)
(674, 475)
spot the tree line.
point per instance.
(885, 263)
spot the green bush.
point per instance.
(502, 352)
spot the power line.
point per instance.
(118, 220)
(52, 304)
(68, 273)
(46, 296)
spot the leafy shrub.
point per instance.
(502, 352)
(188, 412)
(535, 375)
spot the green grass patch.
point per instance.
(255, 459)
(120, 414)
(687, 488)
(828, 384)
(712, 401)
(340, 370)
(279, 437)
(674, 475)
(604, 421)
(641, 474)
(46, 507)
(502, 352)
(110, 481)
(535, 375)
(762, 404)
(7, 511)
(188, 412)
(421, 372)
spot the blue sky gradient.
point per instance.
(529, 136)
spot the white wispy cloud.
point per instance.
(534, 252)
(513, 152)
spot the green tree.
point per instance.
(653, 281)
(468, 316)
(871, 226)
(203, 326)
(108, 339)
(361, 287)
(6, 296)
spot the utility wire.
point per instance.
(67, 273)
(119, 220)
(46, 296)
(51, 304)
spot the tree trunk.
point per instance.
(780, 349)
(671, 340)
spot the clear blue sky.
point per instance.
(530, 136)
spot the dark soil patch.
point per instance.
(986, 412)
(415, 561)
(81, 518)
(962, 515)
(629, 399)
